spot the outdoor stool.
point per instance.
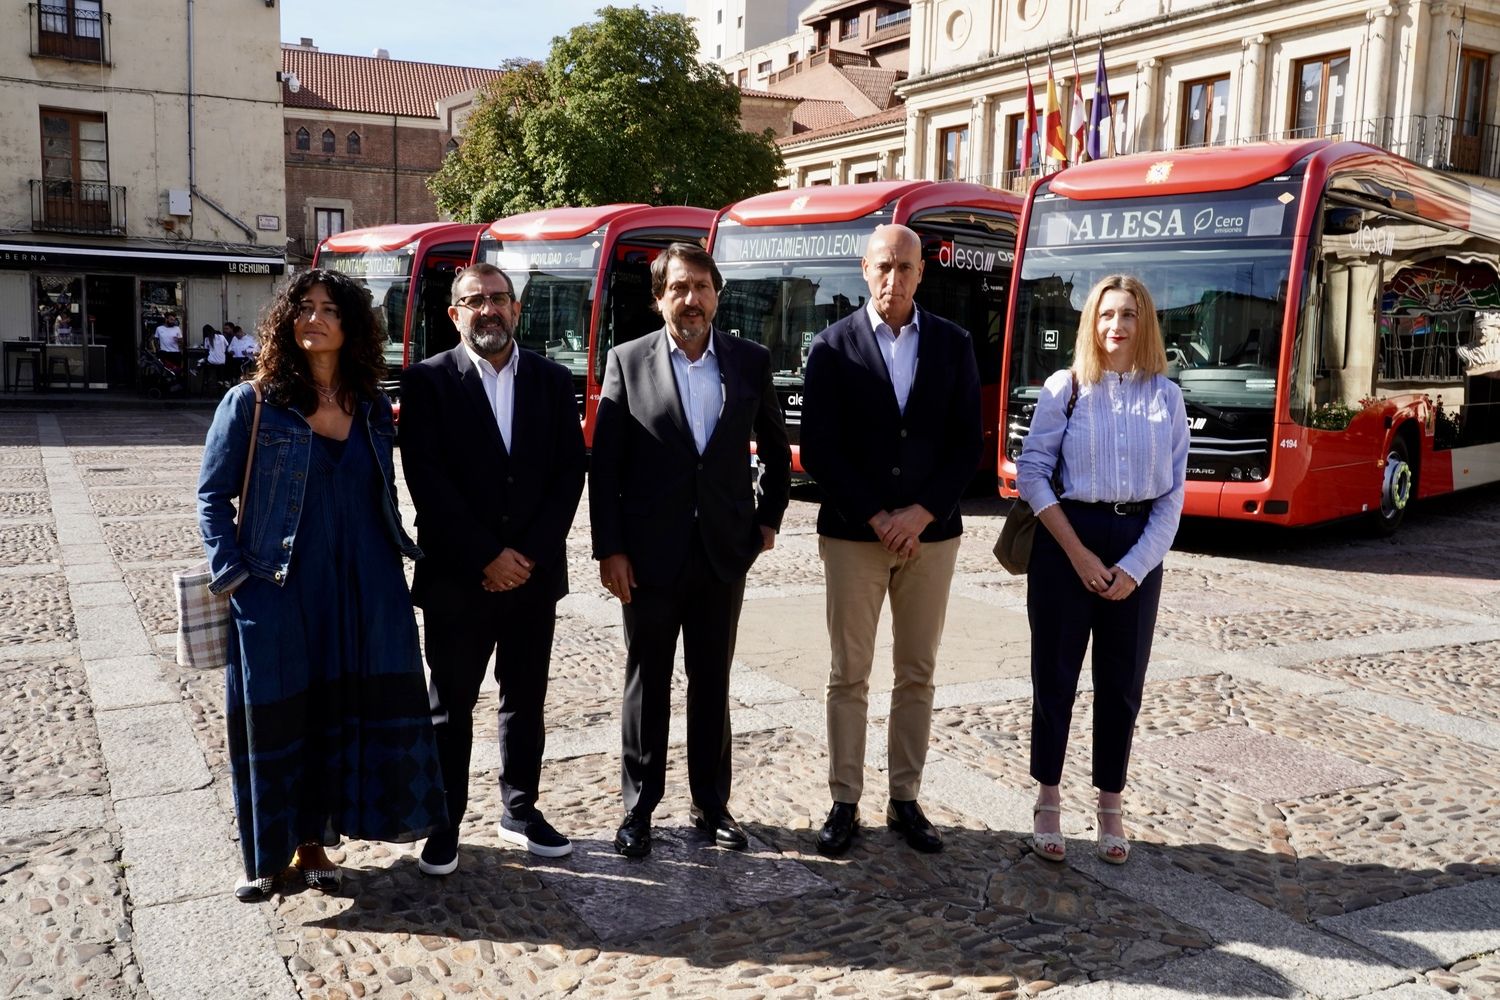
(28, 359)
(59, 370)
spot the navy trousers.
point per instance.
(1064, 615)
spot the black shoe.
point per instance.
(838, 832)
(440, 853)
(725, 830)
(633, 838)
(535, 834)
(254, 890)
(907, 819)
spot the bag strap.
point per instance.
(1067, 416)
(249, 460)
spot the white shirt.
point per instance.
(242, 346)
(899, 350)
(701, 390)
(499, 388)
(169, 338)
(216, 346)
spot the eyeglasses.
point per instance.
(477, 302)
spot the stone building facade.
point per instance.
(362, 135)
(141, 175)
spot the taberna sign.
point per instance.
(1068, 224)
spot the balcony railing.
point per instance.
(886, 20)
(60, 32)
(77, 207)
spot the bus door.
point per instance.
(432, 332)
(969, 257)
(627, 310)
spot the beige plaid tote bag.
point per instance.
(202, 615)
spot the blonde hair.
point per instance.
(1149, 352)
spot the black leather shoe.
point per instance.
(907, 819)
(633, 838)
(724, 828)
(838, 832)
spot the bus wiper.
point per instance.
(1208, 411)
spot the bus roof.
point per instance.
(396, 237)
(568, 223)
(845, 202)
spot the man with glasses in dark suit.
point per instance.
(676, 526)
(494, 458)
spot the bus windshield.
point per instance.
(555, 281)
(387, 274)
(1216, 265)
(784, 306)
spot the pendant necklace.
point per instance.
(330, 395)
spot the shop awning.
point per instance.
(137, 259)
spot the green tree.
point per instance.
(622, 110)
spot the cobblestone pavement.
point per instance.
(1314, 797)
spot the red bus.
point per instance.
(791, 266)
(1331, 312)
(409, 270)
(584, 278)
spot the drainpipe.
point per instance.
(191, 143)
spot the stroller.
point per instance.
(158, 379)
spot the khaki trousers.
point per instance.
(857, 577)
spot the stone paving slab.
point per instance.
(1435, 929)
(242, 962)
(24, 819)
(176, 852)
(137, 740)
(1270, 768)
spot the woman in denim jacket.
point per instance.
(326, 705)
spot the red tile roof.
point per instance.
(886, 117)
(813, 114)
(334, 82)
(766, 94)
(875, 83)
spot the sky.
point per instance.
(459, 32)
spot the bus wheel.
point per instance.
(1397, 487)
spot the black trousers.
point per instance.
(1064, 614)
(705, 611)
(462, 630)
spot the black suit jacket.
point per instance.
(474, 499)
(868, 456)
(647, 479)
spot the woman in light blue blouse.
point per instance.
(1096, 569)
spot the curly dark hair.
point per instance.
(281, 367)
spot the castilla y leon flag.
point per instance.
(1101, 122)
(1054, 146)
(1079, 122)
(1029, 143)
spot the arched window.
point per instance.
(328, 141)
(351, 144)
(304, 140)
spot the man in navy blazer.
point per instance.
(891, 433)
(494, 459)
(676, 525)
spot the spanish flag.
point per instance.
(1054, 145)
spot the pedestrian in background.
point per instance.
(676, 526)
(1117, 427)
(892, 444)
(494, 458)
(328, 727)
(215, 359)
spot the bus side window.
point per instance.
(629, 308)
(432, 332)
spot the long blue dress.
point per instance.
(329, 736)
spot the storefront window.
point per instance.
(59, 310)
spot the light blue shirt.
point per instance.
(899, 348)
(1126, 441)
(701, 389)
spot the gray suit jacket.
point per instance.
(647, 480)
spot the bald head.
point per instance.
(892, 267)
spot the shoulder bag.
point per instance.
(1013, 547)
(203, 616)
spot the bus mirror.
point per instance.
(1342, 220)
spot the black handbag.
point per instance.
(1013, 547)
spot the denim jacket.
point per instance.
(273, 507)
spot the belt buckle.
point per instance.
(1119, 504)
